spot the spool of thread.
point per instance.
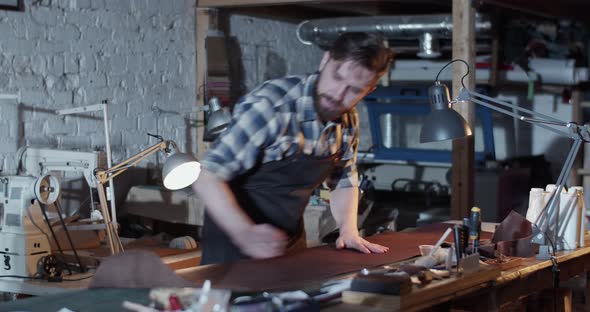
(550, 213)
(582, 210)
(536, 204)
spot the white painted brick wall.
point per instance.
(270, 49)
(70, 53)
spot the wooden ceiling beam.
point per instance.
(286, 13)
(243, 3)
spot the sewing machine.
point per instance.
(40, 161)
(22, 239)
(24, 234)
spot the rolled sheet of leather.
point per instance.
(397, 283)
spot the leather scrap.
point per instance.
(136, 269)
(513, 236)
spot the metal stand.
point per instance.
(106, 176)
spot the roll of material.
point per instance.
(572, 218)
(571, 215)
(582, 215)
(536, 204)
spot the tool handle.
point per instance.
(440, 241)
(458, 237)
(475, 227)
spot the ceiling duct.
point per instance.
(428, 29)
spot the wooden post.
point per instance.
(462, 177)
(577, 116)
(205, 19)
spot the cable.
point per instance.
(19, 158)
(548, 238)
(451, 62)
(44, 211)
(65, 227)
(40, 278)
(24, 277)
(77, 279)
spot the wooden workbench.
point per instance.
(489, 293)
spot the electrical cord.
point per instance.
(548, 239)
(41, 278)
(554, 268)
(77, 279)
(451, 62)
(23, 277)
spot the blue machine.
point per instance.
(412, 103)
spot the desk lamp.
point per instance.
(444, 123)
(217, 119)
(180, 170)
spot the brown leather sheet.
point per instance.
(513, 237)
(307, 267)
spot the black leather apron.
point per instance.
(275, 193)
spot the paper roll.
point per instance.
(536, 204)
(569, 220)
(581, 214)
(549, 189)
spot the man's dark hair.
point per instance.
(366, 49)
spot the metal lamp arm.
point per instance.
(565, 171)
(550, 212)
(468, 95)
(103, 176)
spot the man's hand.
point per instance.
(261, 241)
(354, 241)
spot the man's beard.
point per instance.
(332, 112)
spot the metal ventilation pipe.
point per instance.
(429, 46)
(426, 28)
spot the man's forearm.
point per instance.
(344, 207)
(221, 204)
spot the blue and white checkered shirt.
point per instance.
(270, 122)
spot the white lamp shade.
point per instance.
(180, 170)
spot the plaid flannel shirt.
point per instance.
(268, 124)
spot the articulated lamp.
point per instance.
(444, 123)
(217, 119)
(180, 170)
